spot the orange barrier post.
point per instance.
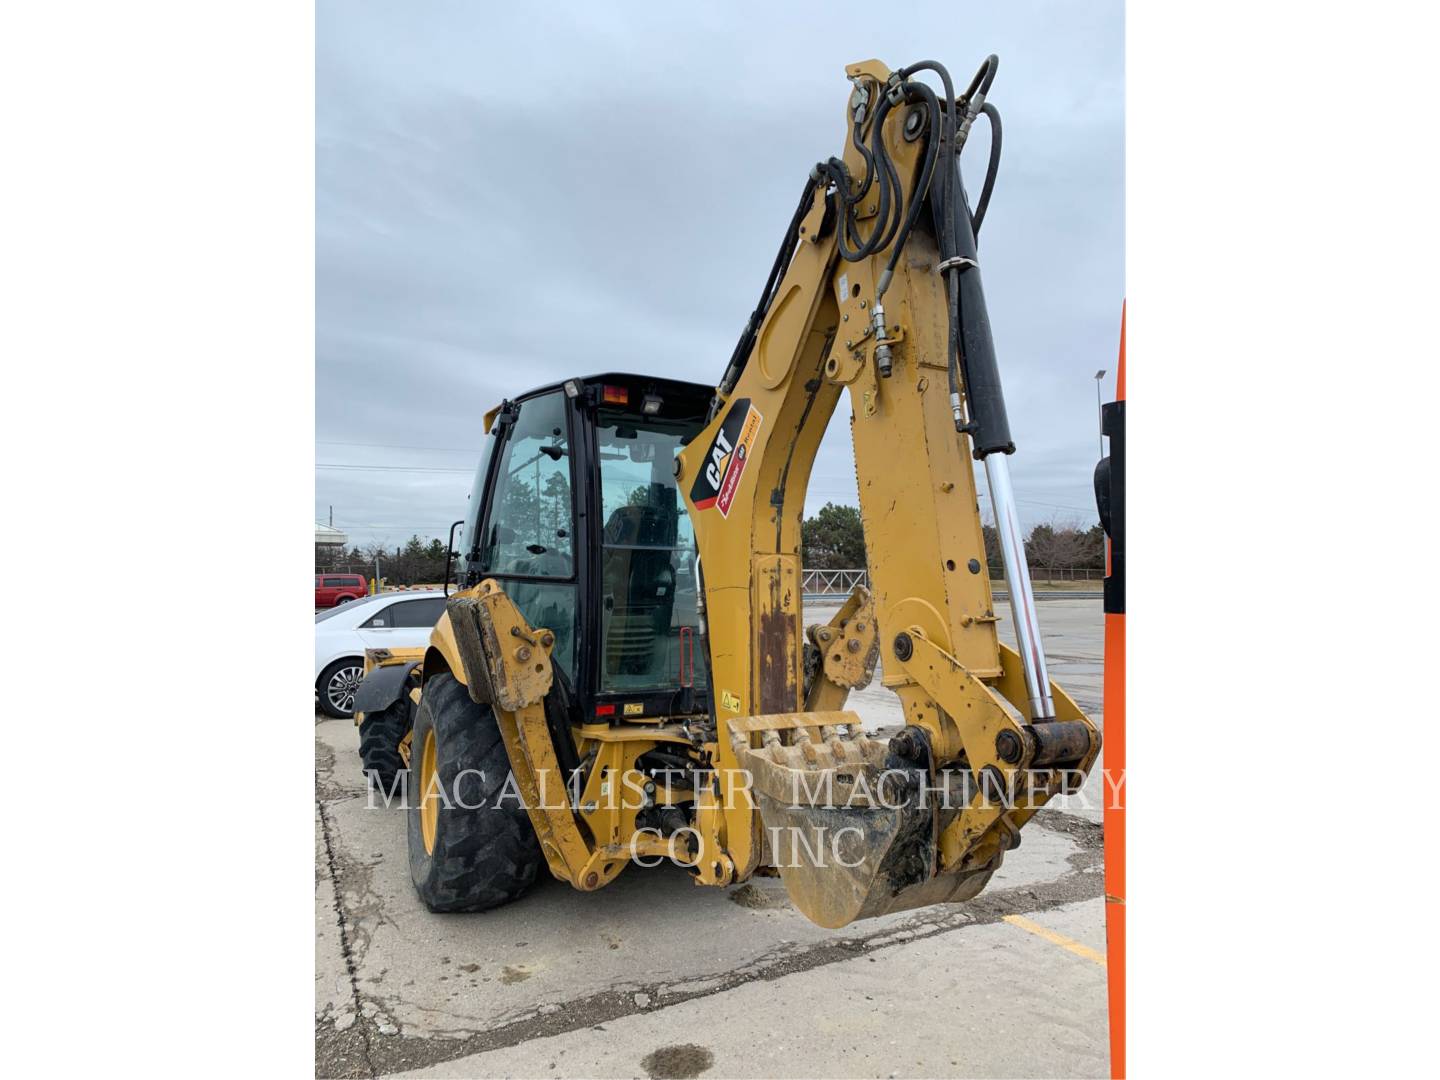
(1114, 711)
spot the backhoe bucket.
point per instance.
(852, 829)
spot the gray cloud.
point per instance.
(505, 199)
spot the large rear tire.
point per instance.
(464, 859)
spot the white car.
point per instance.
(398, 620)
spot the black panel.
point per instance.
(1112, 507)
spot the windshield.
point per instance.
(648, 617)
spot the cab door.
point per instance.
(526, 535)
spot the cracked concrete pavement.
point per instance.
(652, 976)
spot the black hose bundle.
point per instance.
(896, 212)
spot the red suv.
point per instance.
(332, 589)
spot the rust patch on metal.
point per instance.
(777, 688)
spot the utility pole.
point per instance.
(1100, 409)
(332, 517)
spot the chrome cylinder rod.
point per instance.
(1022, 596)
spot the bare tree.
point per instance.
(1058, 544)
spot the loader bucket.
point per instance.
(852, 829)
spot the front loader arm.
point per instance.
(902, 328)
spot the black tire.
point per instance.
(380, 737)
(482, 857)
(336, 686)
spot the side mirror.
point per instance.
(450, 556)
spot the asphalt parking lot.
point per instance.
(653, 977)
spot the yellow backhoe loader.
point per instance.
(624, 673)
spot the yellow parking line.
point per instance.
(1056, 939)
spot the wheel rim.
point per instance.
(429, 798)
(340, 691)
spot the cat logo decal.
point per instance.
(725, 464)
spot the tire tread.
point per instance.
(484, 857)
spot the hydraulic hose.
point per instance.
(922, 183)
(980, 84)
(947, 137)
(991, 114)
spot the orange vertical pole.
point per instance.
(1114, 744)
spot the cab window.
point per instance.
(648, 557)
(529, 530)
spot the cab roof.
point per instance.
(659, 384)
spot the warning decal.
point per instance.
(720, 478)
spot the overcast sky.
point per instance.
(508, 197)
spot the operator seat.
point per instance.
(638, 582)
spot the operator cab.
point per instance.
(576, 512)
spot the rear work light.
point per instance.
(615, 395)
(650, 405)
